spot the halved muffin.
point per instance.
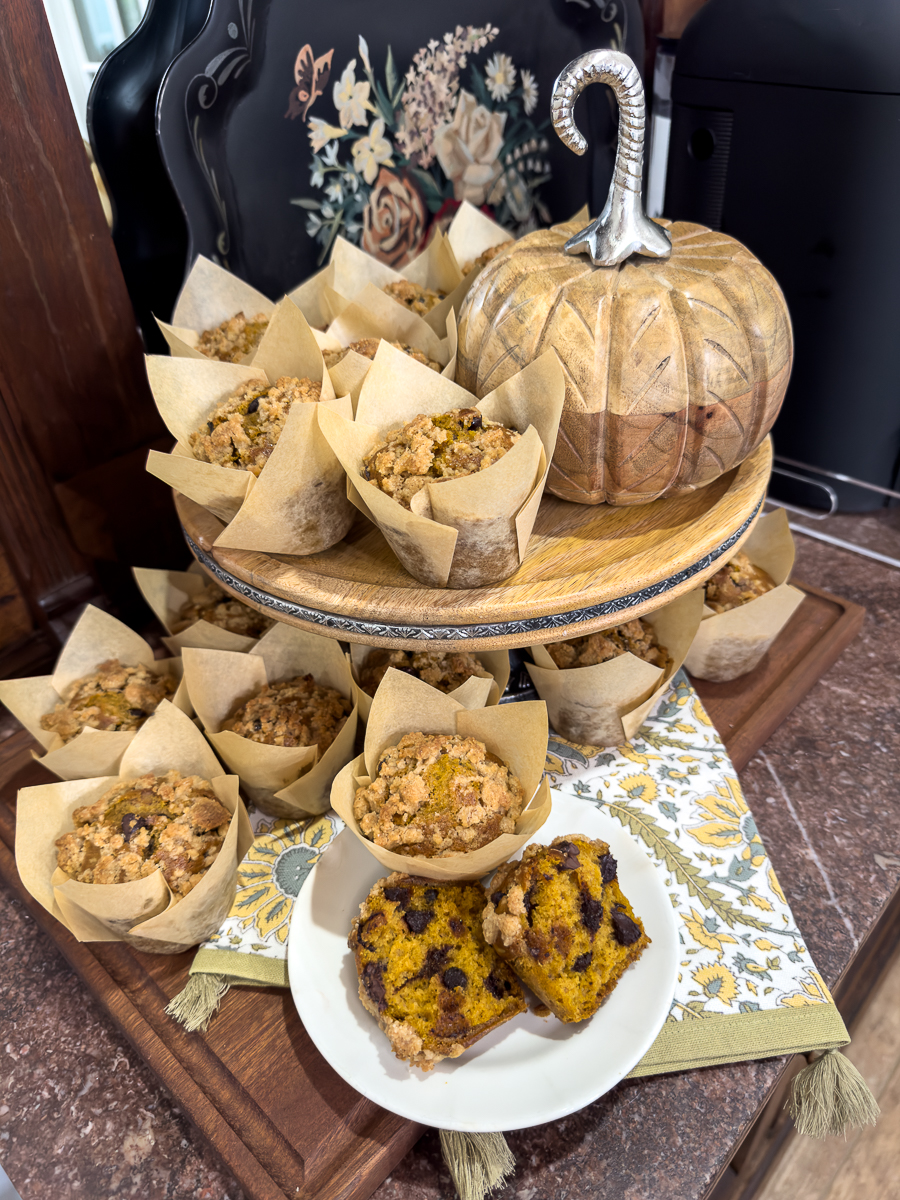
(561, 921)
(425, 971)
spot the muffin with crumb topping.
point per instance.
(634, 637)
(234, 339)
(418, 299)
(114, 697)
(738, 582)
(445, 670)
(368, 348)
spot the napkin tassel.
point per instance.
(830, 1097)
(196, 1003)
(477, 1162)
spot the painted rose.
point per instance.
(467, 149)
(394, 220)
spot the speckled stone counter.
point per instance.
(81, 1116)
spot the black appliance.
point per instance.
(786, 135)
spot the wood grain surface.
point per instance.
(255, 1086)
(675, 368)
(578, 556)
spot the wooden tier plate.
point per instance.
(587, 568)
(255, 1086)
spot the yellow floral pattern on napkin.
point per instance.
(673, 788)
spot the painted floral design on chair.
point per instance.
(404, 151)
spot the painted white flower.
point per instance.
(372, 151)
(500, 76)
(351, 183)
(335, 191)
(313, 224)
(351, 99)
(330, 157)
(317, 173)
(529, 91)
(320, 133)
(364, 52)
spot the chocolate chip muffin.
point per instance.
(436, 794)
(293, 712)
(634, 637)
(560, 920)
(738, 582)
(114, 697)
(172, 823)
(487, 256)
(425, 972)
(245, 428)
(445, 670)
(234, 339)
(431, 449)
(368, 348)
(213, 606)
(413, 296)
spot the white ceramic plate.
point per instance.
(528, 1071)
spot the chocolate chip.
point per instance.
(417, 921)
(136, 712)
(430, 895)
(591, 913)
(210, 426)
(457, 926)
(453, 977)
(368, 927)
(627, 931)
(569, 851)
(435, 957)
(366, 474)
(398, 895)
(373, 982)
(608, 868)
(528, 901)
(496, 897)
(257, 725)
(497, 985)
(253, 405)
(583, 961)
(476, 422)
(132, 825)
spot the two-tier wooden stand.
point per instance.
(587, 568)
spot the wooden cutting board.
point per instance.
(255, 1086)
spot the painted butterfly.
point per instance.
(311, 75)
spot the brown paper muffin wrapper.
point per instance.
(474, 693)
(209, 296)
(96, 637)
(470, 233)
(465, 532)
(298, 504)
(143, 913)
(374, 315)
(606, 704)
(516, 733)
(167, 592)
(732, 643)
(323, 297)
(284, 781)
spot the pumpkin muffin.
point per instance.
(738, 582)
(293, 712)
(170, 822)
(431, 449)
(213, 606)
(368, 348)
(417, 299)
(634, 637)
(234, 339)
(436, 794)
(445, 670)
(244, 429)
(560, 920)
(487, 256)
(114, 697)
(425, 972)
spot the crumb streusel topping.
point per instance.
(293, 712)
(234, 339)
(244, 429)
(114, 697)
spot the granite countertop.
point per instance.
(82, 1116)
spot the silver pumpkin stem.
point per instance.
(622, 229)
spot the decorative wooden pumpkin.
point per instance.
(676, 341)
